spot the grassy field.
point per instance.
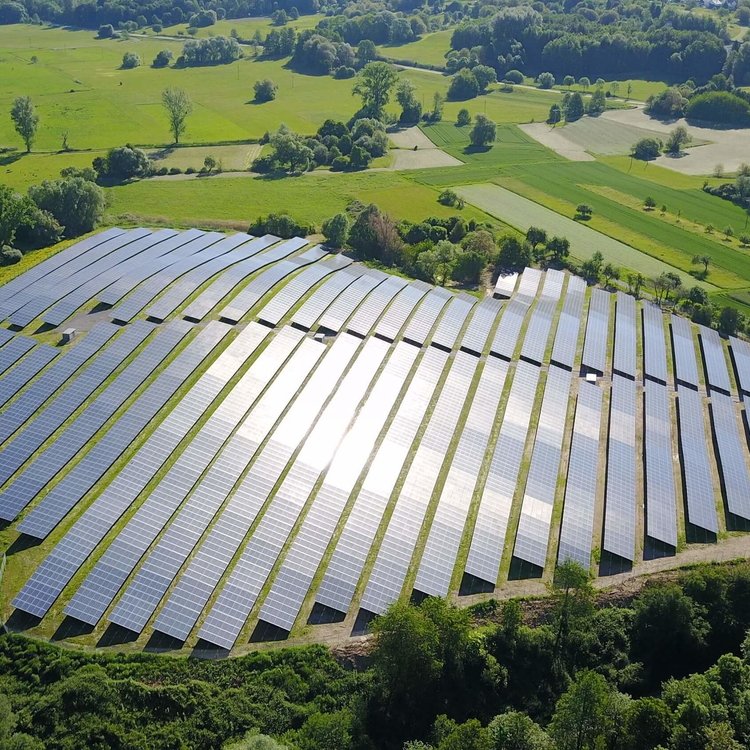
(431, 49)
(245, 27)
(237, 157)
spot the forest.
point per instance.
(667, 667)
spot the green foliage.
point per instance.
(670, 104)
(597, 103)
(374, 85)
(265, 90)
(75, 203)
(336, 230)
(123, 163)
(545, 80)
(463, 85)
(720, 107)
(676, 139)
(514, 255)
(162, 59)
(484, 131)
(573, 108)
(178, 106)
(130, 60)
(463, 118)
(282, 225)
(25, 120)
(15, 212)
(214, 50)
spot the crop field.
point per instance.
(274, 438)
(237, 157)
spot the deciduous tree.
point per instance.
(178, 106)
(25, 120)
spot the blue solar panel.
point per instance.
(654, 344)
(624, 357)
(597, 330)
(686, 369)
(717, 374)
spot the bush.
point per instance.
(463, 118)
(344, 71)
(484, 131)
(175, 170)
(265, 90)
(123, 163)
(514, 76)
(282, 225)
(162, 59)
(161, 171)
(448, 198)
(339, 163)
(9, 256)
(668, 105)
(130, 60)
(463, 85)
(190, 170)
(720, 107)
(336, 230)
(75, 203)
(107, 31)
(545, 80)
(647, 149)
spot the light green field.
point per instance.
(245, 27)
(77, 87)
(584, 241)
(431, 49)
(640, 90)
(236, 157)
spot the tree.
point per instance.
(106, 31)
(437, 107)
(463, 118)
(574, 108)
(649, 204)
(336, 230)
(411, 109)
(536, 236)
(366, 52)
(584, 211)
(162, 59)
(677, 138)
(744, 240)
(123, 163)
(569, 81)
(374, 85)
(463, 85)
(610, 273)
(485, 75)
(265, 90)
(703, 260)
(76, 203)
(25, 120)
(130, 60)
(555, 114)
(178, 106)
(646, 149)
(545, 80)
(290, 150)
(253, 741)
(728, 232)
(597, 103)
(558, 249)
(636, 281)
(730, 321)
(584, 82)
(15, 211)
(581, 716)
(591, 269)
(516, 731)
(483, 132)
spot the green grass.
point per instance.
(640, 89)
(245, 27)
(431, 49)
(235, 157)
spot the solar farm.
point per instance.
(249, 438)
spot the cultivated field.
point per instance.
(236, 157)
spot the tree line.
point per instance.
(665, 669)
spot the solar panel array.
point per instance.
(208, 475)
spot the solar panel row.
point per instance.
(339, 312)
(102, 584)
(451, 322)
(717, 374)
(307, 315)
(624, 356)
(373, 305)
(566, 337)
(14, 381)
(56, 570)
(597, 330)
(424, 318)
(741, 356)
(404, 303)
(74, 437)
(483, 319)
(13, 351)
(654, 344)
(686, 369)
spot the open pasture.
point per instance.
(235, 158)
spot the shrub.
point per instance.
(265, 90)
(190, 170)
(282, 225)
(668, 105)
(130, 60)
(721, 107)
(647, 148)
(448, 198)
(484, 131)
(464, 85)
(162, 59)
(545, 80)
(463, 118)
(75, 203)
(336, 230)
(107, 31)
(9, 256)
(344, 71)
(175, 170)
(161, 171)
(514, 76)
(339, 163)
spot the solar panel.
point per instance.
(372, 308)
(696, 464)
(306, 316)
(488, 538)
(732, 455)
(620, 493)
(447, 528)
(404, 303)
(47, 290)
(49, 383)
(505, 285)
(15, 380)
(5, 335)
(475, 336)
(424, 318)
(348, 559)
(452, 321)
(56, 570)
(249, 574)
(717, 374)
(538, 330)
(75, 436)
(203, 251)
(284, 601)
(686, 369)
(597, 328)
(242, 247)
(339, 312)
(286, 298)
(130, 270)
(577, 526)
(54, 264)
(243, 302)
(116, 440)
(397, 547)
(654, 344)
(624, 356)
(221, 287)
(165, 560)
(741, 355)
(175, 249)
(196, 585)
(533, 532)
(506, 335)
(529, 284)
(13, 351)
(111, 571)
(566, 336)
(661, 511)
(45, 423)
